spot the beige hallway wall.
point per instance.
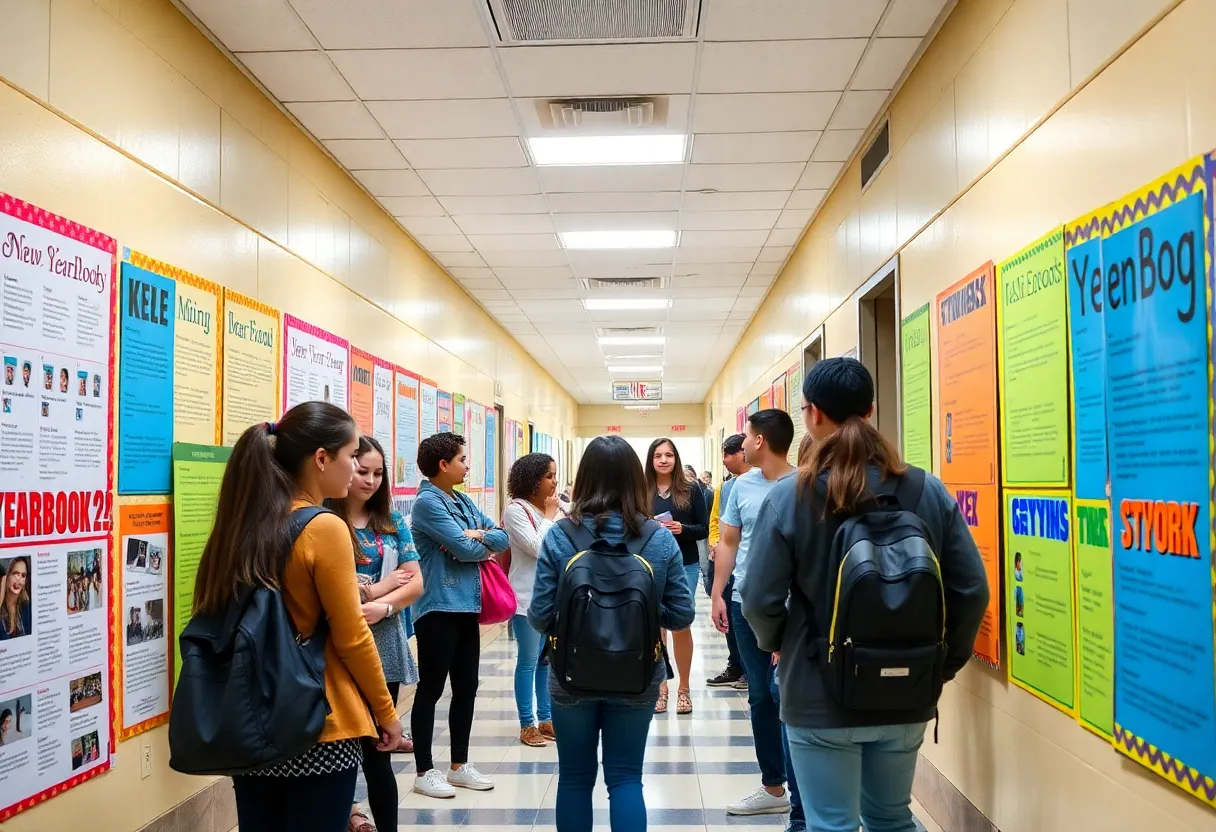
(1016, 120)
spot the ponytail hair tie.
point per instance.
(272, 428)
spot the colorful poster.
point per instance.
(314, 365)
(916, 424)
(197, 473)
(980, 505)
(966, 378)
(1087, 358)
(251, 364)
(363, 390)
(1095, 617)
(384, 423)
(475, 446)
(779, 394)
(1033, 353)
(491, 498)
(793, 400)
(141, 567)
(1038, 595)
(1158, 406)
(766, 399)
(741, 420)
(145, 382)
(459, 409)
(753, 406)
(406, 477)
(428, 408)
(443, 408)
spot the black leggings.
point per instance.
(318, 802)
(449, 644)
(381, 782)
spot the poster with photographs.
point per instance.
(143, 691)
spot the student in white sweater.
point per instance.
(532, 487)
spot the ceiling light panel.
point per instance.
(636, 239)
(622, 369)
(608, 150)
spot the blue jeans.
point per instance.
(761, 703)
(861, 775)
(622, 726)
(797, 814)
(529, 676)
(692, 571)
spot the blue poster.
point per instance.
(1087, 339)
(1157, 363)
(145, 382)
(491, 446)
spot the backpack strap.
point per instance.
(578, 534)
(641, 540)
(296, 523)
(909, 488)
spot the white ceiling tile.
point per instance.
(569, 292)
(526, 277)
(621, 258)
(600, 69)
(409, 74)
(820, 175)
(726, 148)
(459, 259)
(857, 109)
(336, 119)
(474, 118)
(763, 272)
(504, 223)
(297, 76)
(514, 242)
(884, 63)
(389, 183)
(412, 206)
(619, 221)
(727, 220)
(837, 145)
(763, 112)
(729, 270)
(794, 218)
(489, 295)
(366, 154)
(253, 25)
(699, 315)
(525, 259)
(746, 304)
(771, 177)
(778, 66)
(806, 199)
(910, 18)
(717, 255)
(735, 201)
(691, 289)
(509, 204)
(480, 283)
(499, 152)
(774, 252)
(779, 19)
(383, 24)
(610, 178)
(464, 273)
(542, 308)
(445, 243)
(487, 182)
(753, 292)
(716, 239)
(593, 203)
(700, 283)
(589, 269)
(428, 225)
(506, 306)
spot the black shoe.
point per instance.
(725, 679)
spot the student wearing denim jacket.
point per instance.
(452, 537)
(610, 488)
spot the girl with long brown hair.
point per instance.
(15, 615)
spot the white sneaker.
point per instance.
(467, 777)
(433, 784)
(760, 802)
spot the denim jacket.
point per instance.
(449, 560)
(676, 609)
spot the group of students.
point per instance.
(358, 567)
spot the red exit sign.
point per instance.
(614, 428)
(678, 428)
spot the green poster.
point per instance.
(1033, 341)
(458, 425)
(1038, 599)
(1095, 617)
(916, 424)
(197, 473)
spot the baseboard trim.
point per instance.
(949, 807)
(211, 810)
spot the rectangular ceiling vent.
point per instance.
(611, 331)
(546, 21)
(600, 113)
(876, 154)
(597, 283)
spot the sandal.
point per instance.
(406, 746)
(359, 822)
(660, 706)
(683, 703)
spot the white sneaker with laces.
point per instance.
(467, 777)
(760, 802)
(434, 784)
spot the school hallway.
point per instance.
(695, 764)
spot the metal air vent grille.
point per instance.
(609, 331)
(596, 283)
(531, 21)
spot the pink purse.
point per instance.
(498, 602)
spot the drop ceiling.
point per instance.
(430, 104)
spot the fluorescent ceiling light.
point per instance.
(607, 304)
(641, 407)
(618, 239)
(608, 150)
(632, 341)
(648, 357)
(635, 368)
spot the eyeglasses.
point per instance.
(806, 407)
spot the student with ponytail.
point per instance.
(305, 459)
(857, 743)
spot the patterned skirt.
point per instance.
(322, 758)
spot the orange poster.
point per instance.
(779, 401)
(766, 399)
(142, 642)
(981, 511)
(967, 378)
(363, 390)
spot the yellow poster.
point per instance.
(197, 339)
(251, 364)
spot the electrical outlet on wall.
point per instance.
(146, 759)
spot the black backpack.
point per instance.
(882, 642)
(251, 692)
(605, 639)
